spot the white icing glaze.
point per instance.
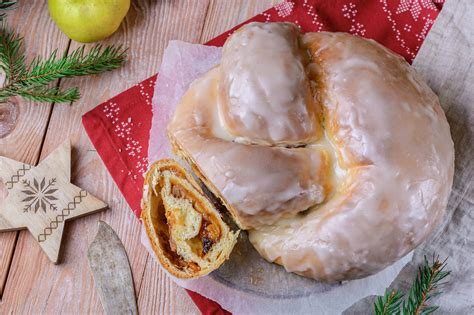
(267, 97)
(377, 180)
(395, 143)
(261, 183)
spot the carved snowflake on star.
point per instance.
(39, 195)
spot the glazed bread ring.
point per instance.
(186, 232)
(327, 147)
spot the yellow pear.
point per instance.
(88, 21)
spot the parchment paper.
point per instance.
(246, 283)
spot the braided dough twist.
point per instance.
(327, 147)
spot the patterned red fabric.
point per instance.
(119, 128)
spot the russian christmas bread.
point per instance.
(186, 232)
(334, 182)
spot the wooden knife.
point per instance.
(111, 271)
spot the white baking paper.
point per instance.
(247, 284)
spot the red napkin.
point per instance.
(119, 128)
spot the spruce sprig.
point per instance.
(97, 60)
(44, 94)
(425, 287)
(32, 81)
(12, 57)
(389, 303)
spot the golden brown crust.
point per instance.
(185, 231)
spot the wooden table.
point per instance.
(29, 282)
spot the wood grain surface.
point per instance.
(24, 142)
(29, 282)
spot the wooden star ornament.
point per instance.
(41, 198)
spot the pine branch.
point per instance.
(49, 95)
(12, 57)
(31, 82)
(424, 288)
(97, 60)
(389, 303)
(43, 94)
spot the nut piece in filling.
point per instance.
(185, 230)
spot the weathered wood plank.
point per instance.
(7, 244)
(21, 138)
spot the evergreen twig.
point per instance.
(389, 303)
(12, 57)
(33, 81)
(425, 287)
(78, 63)
(43, 94)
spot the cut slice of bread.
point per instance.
(185, 230)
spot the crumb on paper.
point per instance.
(255, 275)
(255, 280)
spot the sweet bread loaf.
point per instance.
(185, 230)
(327, 147)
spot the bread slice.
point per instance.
(185, 230)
